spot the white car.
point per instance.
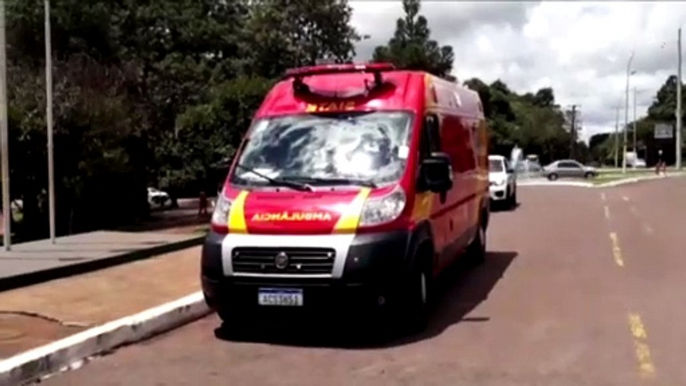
(639, 163)
(157, 197)
(502, 181)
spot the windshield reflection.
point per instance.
(369, 146)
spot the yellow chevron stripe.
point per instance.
(237, 214)
(350, 218)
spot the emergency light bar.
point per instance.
(299, 73)
(338, 69)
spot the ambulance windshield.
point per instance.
(327, 149)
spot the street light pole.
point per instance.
(678, 107)
(48, 84)
(617, 137)
(634, 147)
(626, 111)
(4, 158)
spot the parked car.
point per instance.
(639, 163)
(568, 168)
(502, 180)
(157, 197)
(363, 206)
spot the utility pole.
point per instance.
(634, 147)
(626, 111)
(5, 169)
(617, 137)
(48, 111)
(572, 131)
(678, 107)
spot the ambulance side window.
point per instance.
(431, 137)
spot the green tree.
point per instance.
(281, 34)
(412, 48)
(531, 121)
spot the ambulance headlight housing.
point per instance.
(384, 209)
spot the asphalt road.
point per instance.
(581, 287)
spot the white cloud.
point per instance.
(578, 48)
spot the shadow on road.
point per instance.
(501, 207)
(459, 291)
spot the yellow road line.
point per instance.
(616, 251)
(607, 212)
(637, 328)
(645, 361)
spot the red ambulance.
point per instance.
(356, 184)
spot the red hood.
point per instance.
(282, 212)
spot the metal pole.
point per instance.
(48, 84)
(634, 147)
(6, 205)
(617, 137)
(572, 130)
(626, 111)
(678, 107)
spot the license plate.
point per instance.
(280, 297)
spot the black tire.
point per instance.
(476, 251)
(234, 322)
(552, 176)
(413, 305)
(588, 175)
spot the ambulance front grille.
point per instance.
(303, 261)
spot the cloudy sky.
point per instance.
(581, 49)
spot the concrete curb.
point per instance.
(64, 271)
(635, 180)
(591, 185)
(555, 183)
(62, 354)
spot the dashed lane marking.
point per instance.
(625, 198)
(646, 368)
(616, 251)
(602, 196)
(607, 212)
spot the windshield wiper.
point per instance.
(277, 181)
(335, 181)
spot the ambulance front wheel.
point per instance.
(414, 305)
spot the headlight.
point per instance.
(379, 210)
(220, 216)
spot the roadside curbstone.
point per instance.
(62, 354)
(609, 184)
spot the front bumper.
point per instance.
(367, 269)
(498, 192)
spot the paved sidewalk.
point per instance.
(39, 261)
(37, 315)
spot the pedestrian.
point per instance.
(202, 204)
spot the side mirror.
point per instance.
(437, 173)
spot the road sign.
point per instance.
(664, 131)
